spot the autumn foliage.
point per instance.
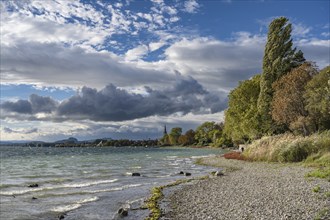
(288, 105)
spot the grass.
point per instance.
(327, 194)
(316, 189)
(322, 214)
(323, 173)
(312, 151)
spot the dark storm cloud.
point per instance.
(35, 104)
(115, 104)
(42, 104)
(20, 106)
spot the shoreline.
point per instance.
(249, 190)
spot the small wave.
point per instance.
(136, 167)
(79, 185)
(173, 164)
(163, 176)
(66, 208)
(19, 192)
(116, 188)
(90, 191)
(74, 185)
(171, 158)
(75, 205)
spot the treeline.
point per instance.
(207, 134)
(126, 142)
(290, 95)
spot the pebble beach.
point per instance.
(250, 190)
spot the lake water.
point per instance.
(87, 183)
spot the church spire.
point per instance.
(165, 131)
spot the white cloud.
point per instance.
(326, 34)
(54, 65)
(174, 19)
(158, 1)
(136, 53)
(215, 63)
(191, 6)
(300, 30)
(316, 50)
(156, 45)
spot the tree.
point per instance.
(188, 138)
(241, 117)
(174, 135)
(205, 133)
(279, 58)
(317, 98)
(183, 140)
(165, 140)
(288, 104)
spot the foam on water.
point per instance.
(75, 205)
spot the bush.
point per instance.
(294, 153)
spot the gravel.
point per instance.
(253, 191)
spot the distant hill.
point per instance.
(70, 140)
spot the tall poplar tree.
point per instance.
(279, 59)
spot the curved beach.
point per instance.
(250, 191)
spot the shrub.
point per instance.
(295, 152)
(234, 155)
(290, 148)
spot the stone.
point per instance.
(123, 212)
(61, 216)
(34, 185)
(218, 173)
(136, 174)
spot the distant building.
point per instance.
(165, 131)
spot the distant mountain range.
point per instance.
(70, 140)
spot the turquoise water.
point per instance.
(87, 183)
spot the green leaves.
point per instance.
(279, 59)
(317, 98)
(241, 118)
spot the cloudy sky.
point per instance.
(123, 69)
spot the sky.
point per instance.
(124, 69)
